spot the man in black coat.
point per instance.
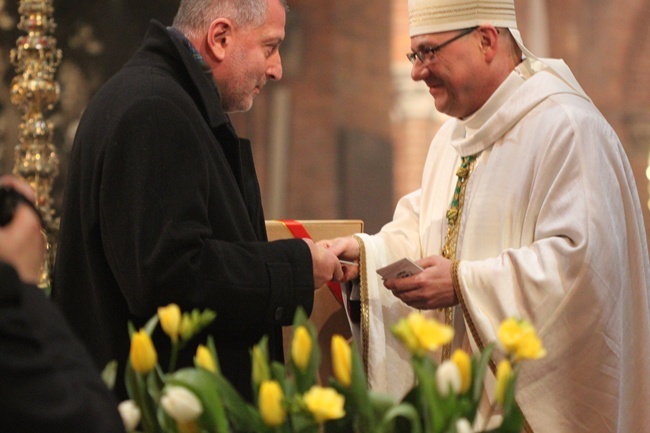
(162, 203)
(48, 380)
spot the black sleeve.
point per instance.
(46, 377)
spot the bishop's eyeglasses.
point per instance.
(427, 54)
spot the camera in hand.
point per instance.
(9, 201)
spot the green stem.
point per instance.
(173, 357)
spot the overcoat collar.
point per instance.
(208, 98)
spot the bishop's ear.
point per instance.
(488, 41)
(219, 37)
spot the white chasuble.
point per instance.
(552, 232)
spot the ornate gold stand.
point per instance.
(34, 91)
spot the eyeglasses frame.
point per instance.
(422, 53)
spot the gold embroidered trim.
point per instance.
(365, 306)
(454, 276)
(453, 228)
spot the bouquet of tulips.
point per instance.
(289, 399)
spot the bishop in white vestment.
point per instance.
(550, 230)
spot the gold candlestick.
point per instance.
(34, 91)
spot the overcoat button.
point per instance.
(279, 313)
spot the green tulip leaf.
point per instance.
(402, 411)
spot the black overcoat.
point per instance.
(161, 205)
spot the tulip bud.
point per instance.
(186, 328)
(509, 333)
(143, 355)
(324, 403)
(341, 360)
(261, 370)
(271, 403)
(301, 347)
(448, 378)
(464, 364)
(130, 414)
(170, 320)
(463, 426)
(181, 404)
(204, 359)
(504, 374)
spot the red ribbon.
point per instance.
(299, 231)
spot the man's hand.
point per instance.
(326, 265)
(22, 245)
(346, 248)
(430, 289)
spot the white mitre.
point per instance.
(435, 16)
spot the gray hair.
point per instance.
(194, 16)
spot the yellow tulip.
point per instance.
(421, 334)
(509, 334)
(403, 331)
(464, 364)
(143, 355)
(170, 320)
(271, 403)
(341, 360)
(301, 347)
(204, 359)
(519, 339)
(504, 374)
(530, 346)
(324, 403)
(431, 334)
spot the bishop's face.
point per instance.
(454, 74)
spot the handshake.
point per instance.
(334, 259)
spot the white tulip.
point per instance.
(181, 404)
(448, 377)
(130, 414)
(463, 426)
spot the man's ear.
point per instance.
(219, 37)
(488, 42)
